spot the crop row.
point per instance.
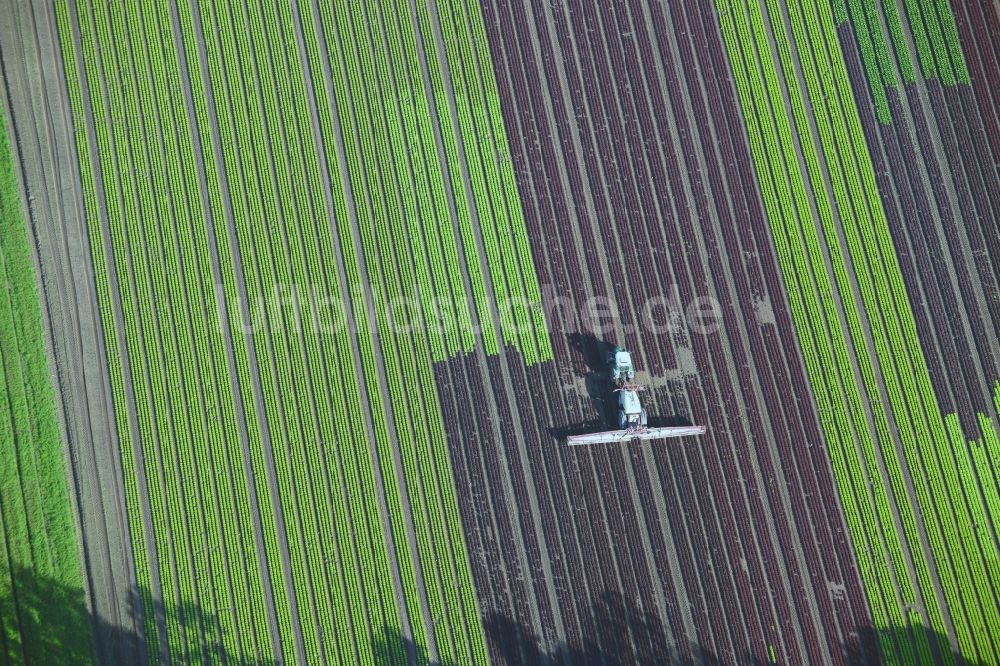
(570, 504)
(791, 453)
(114, 344)
(381, 425)
(224, 449)
(959, 338)
(36, 514)
(820, 557)
(926, 438)
(869, 448)
(227, 272)
(236, 519)
(956, 341)
(91, 198)
(168, 235)
(618, 195)
(978, 25)
(425, 461)
(481, 129)
(342, 455)
(897, 365)
(935, 36)
(206, 174)
(371, 116)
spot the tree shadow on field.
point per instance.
(207, 626)
(900, 643)
(45, 621)
(622, 634)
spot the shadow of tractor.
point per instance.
(596, 355)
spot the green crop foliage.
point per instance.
(884, 430)
(935, 38)
(40, 573)
(237, 160)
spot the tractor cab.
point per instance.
(633, 424)
(630, 411)
(631, 415)
(622, 371)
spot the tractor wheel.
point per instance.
(643, 419)
(622, 420)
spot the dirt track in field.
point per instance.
(42, 136)
(634, 177)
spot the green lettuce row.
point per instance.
(99, 255)
(961, 553)
(396, 349)
(375, 579)
(491, 205)
(152, 219)
(241, 352)
(908, 346)
(159, 246)
(463, 205)
(851, 308)
(436, 222)
(935, 37)
(232, 524)
(149, 383)
(258, 226)
(810, 304)
(365, 333)
(436, 493)
(294, 216)
(480, 45)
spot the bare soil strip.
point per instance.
(41, 129)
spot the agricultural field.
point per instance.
(302, 299)
(42, 607)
